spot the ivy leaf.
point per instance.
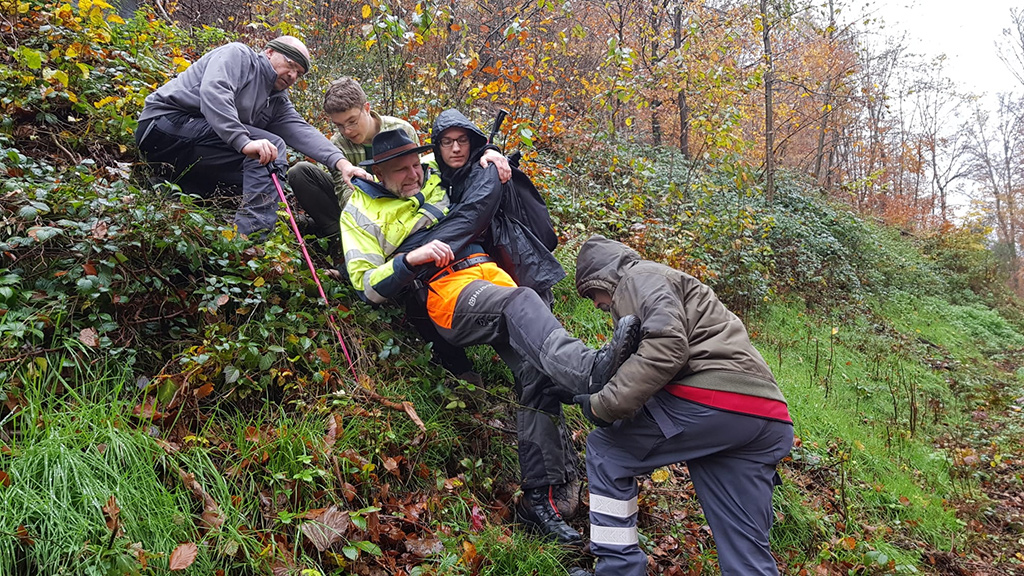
(43, 233)
(231, 374)
(368, 547)
(32, 58)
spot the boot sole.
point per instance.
(632, 338)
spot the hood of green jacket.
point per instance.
(601, 264)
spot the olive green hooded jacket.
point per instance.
(689, 336)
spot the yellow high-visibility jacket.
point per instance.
(373, 226)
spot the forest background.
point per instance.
(175, 400)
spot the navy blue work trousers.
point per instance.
(731, 459)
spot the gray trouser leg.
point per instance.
(259, 195)
(536, 334)
(486, 313)
(544, 446)
(731, 458)
(545, 450)
(201, 163)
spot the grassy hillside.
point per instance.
(172, 394)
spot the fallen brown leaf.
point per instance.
(183, 556)
(327, 529)
(411, 411)
(112, 514)
(204, 390)
(423, 547)
(23, 536)
(99, 230)
(391, 465)
(89, 337)
(332, 431)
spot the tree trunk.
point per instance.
(684, 109)
(655, 122)
(826, 108)
(769, 121)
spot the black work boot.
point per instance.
(537, 510)
(577, 571)
(624, 343)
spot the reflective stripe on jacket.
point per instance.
(373, 225)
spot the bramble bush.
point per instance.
(76, 76)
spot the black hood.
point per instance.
(452, 118)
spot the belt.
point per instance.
(468, 262)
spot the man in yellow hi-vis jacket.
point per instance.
(471, 300)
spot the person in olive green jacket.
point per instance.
(696, 391)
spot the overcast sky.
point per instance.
(966, 31)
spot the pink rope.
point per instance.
(312, 270)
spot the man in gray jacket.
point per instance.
(696, 391)
(221, 122)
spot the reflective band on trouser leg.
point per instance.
(612, 507)
(613, 536)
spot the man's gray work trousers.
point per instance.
(187, 151)
(731, 458)
(520, 327)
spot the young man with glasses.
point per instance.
(323, 195)
(217, 125)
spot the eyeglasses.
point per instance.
(350, 125)
(299, 70)
(449, 142)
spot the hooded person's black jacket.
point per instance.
(477, 196)
(474, 192)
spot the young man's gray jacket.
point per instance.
(689, 336)
(232, 86)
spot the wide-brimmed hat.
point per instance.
(390, 145)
